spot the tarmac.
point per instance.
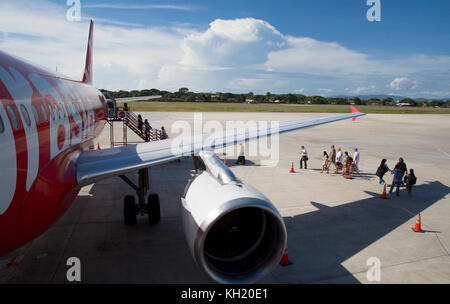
(338, 229)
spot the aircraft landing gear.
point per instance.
(131, 209)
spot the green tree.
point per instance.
(183, 91)
(357, 101)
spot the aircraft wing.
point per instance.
(139, 98)
(93, 166)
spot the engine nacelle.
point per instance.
(234, 232)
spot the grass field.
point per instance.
(233, 107)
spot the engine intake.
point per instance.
(234, 232)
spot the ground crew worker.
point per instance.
(241, 157)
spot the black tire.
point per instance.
(153, 209)
(129, 210)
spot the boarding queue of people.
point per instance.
(146, 128)
(348, 165)
(340, 160)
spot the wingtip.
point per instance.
(354, 110)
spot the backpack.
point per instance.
(379, 172)
(411, 179)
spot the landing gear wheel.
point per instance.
(153, 209)
(129, 210)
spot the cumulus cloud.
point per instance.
(232, 43)
(402, 84)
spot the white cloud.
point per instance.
(316, 57)
(325, 90)
(362, 90)
(403, 84)
(231, 43)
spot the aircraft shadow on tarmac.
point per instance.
(361, 175)
(248, 163)
(327, 237)
(319, 241)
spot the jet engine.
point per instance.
(233, 231)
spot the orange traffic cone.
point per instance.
(383, 195)
(98, 147)
(285, 259)
(418, 226)
(292, 169)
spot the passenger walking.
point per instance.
(147, 128)
(332, 159)
(410, 180)
(326, 162)
(339, 157)
(140, 123)
(396, 181)
(303, 157)
(382, 169)
(401, 165)
(356, 161)
(347, 164)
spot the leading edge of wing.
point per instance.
(93, 166)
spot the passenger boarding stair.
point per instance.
(130, 120)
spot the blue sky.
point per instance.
(407, 26)
(323, 47)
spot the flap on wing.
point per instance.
(96, 165)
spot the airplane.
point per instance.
(48, 123)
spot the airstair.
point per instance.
(129, 120)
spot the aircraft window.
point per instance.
(50, 108)
(25, 114)
(2, 127)
(44, 112)
(68, 109)
(58, 109)
(55, 110)
(63, 109)
(35, 113)
(72, 109)
(13, 117)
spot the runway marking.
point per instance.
(443, 152)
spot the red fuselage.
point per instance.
(46, 120)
